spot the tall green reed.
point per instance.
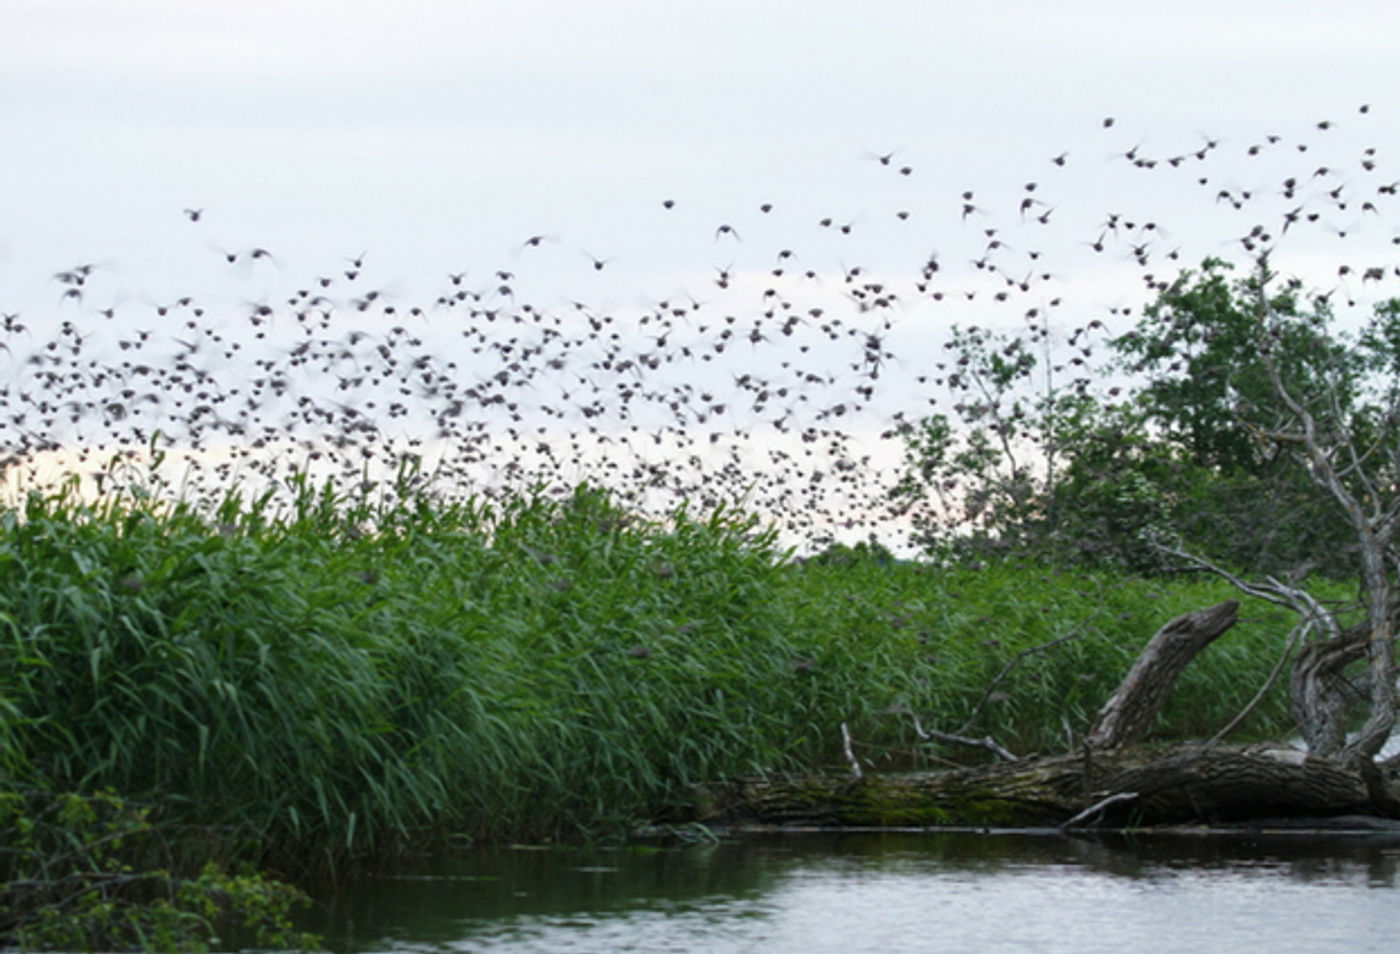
(368, 667)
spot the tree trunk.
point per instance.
(1127, 715)
(1133, 786)
(1320, 693)
(1109, 782)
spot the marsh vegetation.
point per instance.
(297, 583)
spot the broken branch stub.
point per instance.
(1128, 713)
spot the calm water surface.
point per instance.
(856, 893)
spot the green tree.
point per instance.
(1172, 454)
(1032, 462)
(1205, 361)
(971, 479)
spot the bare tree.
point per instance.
(1353, 456)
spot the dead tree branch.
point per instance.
(1012, 663)
(1128, 713)
(986, 742)
(1294, 638)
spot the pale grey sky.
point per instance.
(439, 133)
(438, 136)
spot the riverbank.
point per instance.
(353, 676)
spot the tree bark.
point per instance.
(1137, 786)
(1127, 715)
(1320, 692)
(1110, 782)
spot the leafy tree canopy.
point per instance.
(1173, 448)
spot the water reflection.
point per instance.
(859, 892)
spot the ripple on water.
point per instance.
(918, 894)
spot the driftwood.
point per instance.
(1112, 781)
(1129, 712)
(1178, 785)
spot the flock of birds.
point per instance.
(784, 376)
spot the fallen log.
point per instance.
(1184, 784)
(1110, 782)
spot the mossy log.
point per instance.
(1135, 786)
(1110, 782)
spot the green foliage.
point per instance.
(865, 550)
(1063, 478)
(1199, 351)
(1180, 452)
(359, 674)
(1207, 349)
(342, 678)
(345, 676)
(83, 873)
(976, 477)
(927, 641)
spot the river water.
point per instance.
(880, 892)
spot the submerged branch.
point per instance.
(1134, 785)
(1096, 810)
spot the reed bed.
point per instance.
(358, 673)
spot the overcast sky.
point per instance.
(438, 136)
(442, 134)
